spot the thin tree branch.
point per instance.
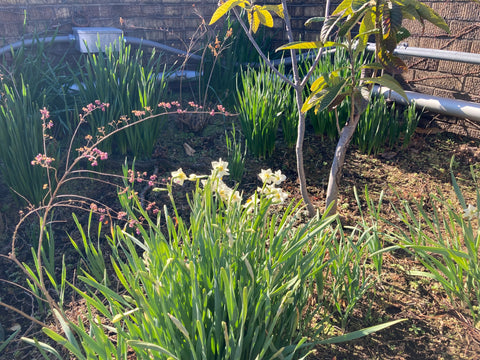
(259, 51)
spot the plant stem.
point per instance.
(298, 87)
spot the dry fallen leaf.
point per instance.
(188, 149)
(14, 327)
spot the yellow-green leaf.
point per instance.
(367, 26)
(321, 100)
(264, 16)
(300, 45)
(314, 20)
(303, 45)
(253, 20)
(344, 5)
(318, 84)
(225, 7)
(390, 62)
(277, 9)
(389, 82)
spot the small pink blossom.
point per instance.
(45, 113)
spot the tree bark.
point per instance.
(336, 170)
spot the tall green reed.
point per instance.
(260, 96)
(384, 125)
(47, 76)
(132, 86)
(21, 137)
(236, 155)
(349, 279)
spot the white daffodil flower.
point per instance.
(219, 168)
(179, 176)
(278, 177)
(266, 176)
(470, 212)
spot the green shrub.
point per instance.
(324, 122)
(379, 126)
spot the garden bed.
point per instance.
(433, 329)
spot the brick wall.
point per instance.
(173, 22)
(447, 78)
(168, 22)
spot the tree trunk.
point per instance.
(299, 154)
(337, 166)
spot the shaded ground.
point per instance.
(434, 329)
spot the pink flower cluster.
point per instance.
(168, 105)
(96, 105)
(141, 177)
(42, 160)
(99, 210)
(45, 115)
(93, 155)
(91, 107)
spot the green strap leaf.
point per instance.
(150, 346)
(360, 333)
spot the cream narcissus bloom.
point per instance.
(235, 197)
(195, 177)
(278, 177)
(223, 191)
(277, 195)
(470, 212)
(266, 176)
(179, 176)
(219, 168)
(251, 202)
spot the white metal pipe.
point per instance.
(405, 50)
(451, 107)
(28, 42)
(139, 41)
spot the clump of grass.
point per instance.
(133, 86)
(261, 98)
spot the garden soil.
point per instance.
(433, 329)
